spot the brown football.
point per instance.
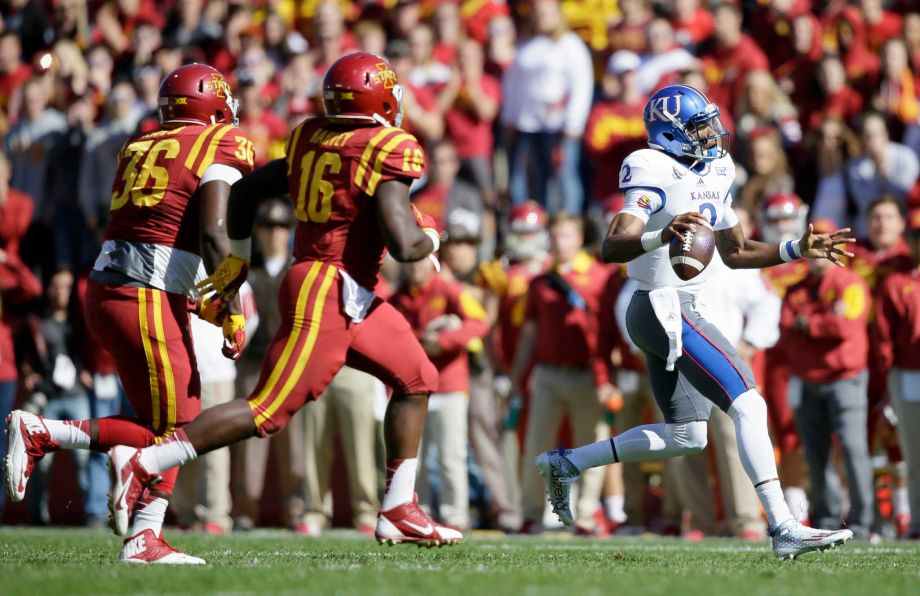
(690, 256)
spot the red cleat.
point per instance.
(408, 523)
(129, 480)
(147, 548)
(29, 441)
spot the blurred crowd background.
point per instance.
(526, 110)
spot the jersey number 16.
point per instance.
(314, 196)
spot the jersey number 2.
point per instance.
(314, 197)
(136, 178)
(711, 209)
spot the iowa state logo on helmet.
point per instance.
(384, 76)
(219, 85)
(664, 108)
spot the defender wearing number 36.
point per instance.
(680, 184)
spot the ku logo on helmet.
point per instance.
(660, 109)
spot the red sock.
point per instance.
(121, 430)
(168, 481)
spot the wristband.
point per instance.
(241, 248)
(790, 250)
(651, 240)
(435, 238)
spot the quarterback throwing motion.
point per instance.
(680, 183)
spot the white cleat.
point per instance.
(146, 548)
(28, 441)
(559, 474)
(792, 539)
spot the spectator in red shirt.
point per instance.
(848, 32)
(629, 32)
(13, 71)
(615, 127)
(478, 16)
(912, 38)
(560, 338)
(839, 99)
(470, 101)
(371, 37)
(763, 104)
(446, 318)
(897, 328)
(264, 128)
(448, 32)
(443, 191)
(298, 97)
(824, 325)
(728, 57)
(881, 24)
(116, 20)
(692, 24)
(772, 29)
(420, 106)
(426, 71)
(16, 211)
(796, 76)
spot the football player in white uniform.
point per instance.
(683, 181)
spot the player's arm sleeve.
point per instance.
(644, 196)
(390, 154)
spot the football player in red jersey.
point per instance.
(169, 201)
(349, 174)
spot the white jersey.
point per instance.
(658, 188)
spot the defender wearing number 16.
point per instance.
(674, 189)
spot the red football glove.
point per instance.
(211, 309)
(424, 220)
(430, 227)
(234, 327)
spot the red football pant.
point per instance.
(315, 339)
(776, 394)
(147, 332)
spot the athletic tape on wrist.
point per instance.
(651, 240)
(241, 248)
(790, 250)
(435, 238)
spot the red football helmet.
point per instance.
(362, 86)
(196, 94)
(782, 216)
(527, 217)
(527, 235)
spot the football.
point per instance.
(690, 256)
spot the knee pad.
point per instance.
(749, 406)
(690, 437)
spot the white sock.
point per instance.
(614, 506)
(593, 455)
(749, 413)
(173, 452)
(400, 483)
(900, 501)
(797, 501)
(67, 434)
(150, 517)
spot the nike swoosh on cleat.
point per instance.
(121, 497)
(429, 529)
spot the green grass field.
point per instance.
(65, 561)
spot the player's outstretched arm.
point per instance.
(406, 241)
(625, 240)
(262, 183)
(739, 252)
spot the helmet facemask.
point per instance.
(707, 138)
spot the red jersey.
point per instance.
(15, 218)
(897, 321)
(614, 131)
(782, 277)
(835, 343)
(425, 308)
(726, 71)
(873, 265)
(158, 175)
(471, 136)
(567, 335)
(334, 170)
(510, 284)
